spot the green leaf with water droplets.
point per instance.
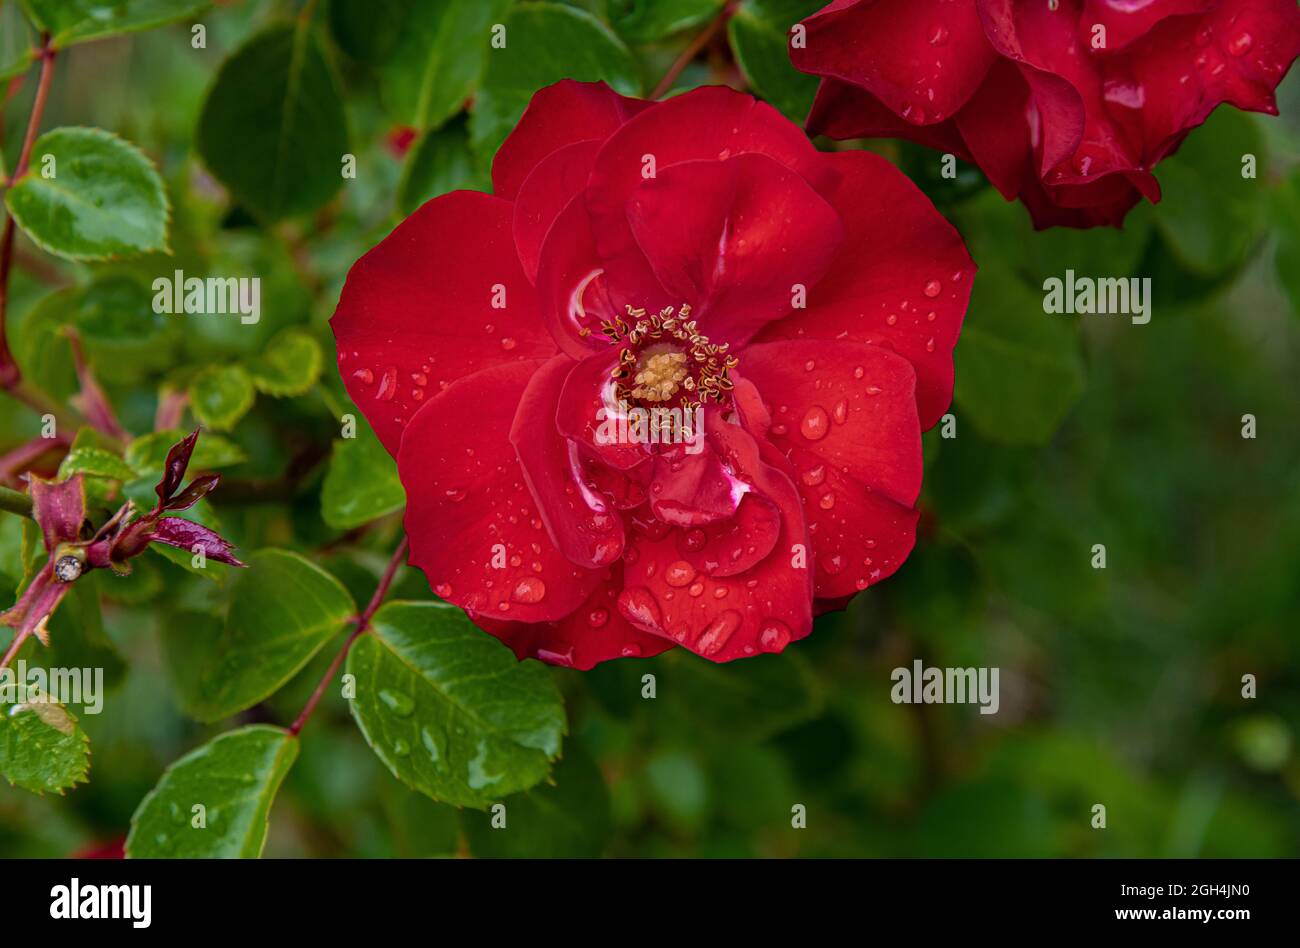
(42, 748)
(449, 709)
(76, 21)
(101, 199)
(283, 609)
(234, 779)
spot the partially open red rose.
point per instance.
(797, 310)
(1065, 104)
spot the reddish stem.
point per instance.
(361, 623)
(693, 49)
(10, 375)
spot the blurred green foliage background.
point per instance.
(1119, 686)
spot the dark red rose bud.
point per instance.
(188, 535)
(178, 460)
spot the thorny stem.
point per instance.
(14, 646)
(693, 49)
(360, 624)
(10, 376)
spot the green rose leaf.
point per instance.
(566, 819)
(644, 21)
(290, 364)
(76, 21)
(1209, 213)
(361, 484)
(760, 37)
(17, 49)
(95, 462)
(42, 748)
(283, 609)
(272, 128)
(441, 161)
(147, 453)
(233, 779)
(545, 42)
(754, 699)
(1019, 369)
(448, 708)
(102, 197)
(221, 395)
(439, 58)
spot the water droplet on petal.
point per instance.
(814, 475)
(679, 574)
(717, 632)
(932, 289)
(774, 635)
(815, 424)
(1241, 45)
(529, 590)
(639, 606)
(387, 384)
(938, 35)
(508, 343)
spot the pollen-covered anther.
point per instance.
(664, 357)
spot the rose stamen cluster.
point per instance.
(679, 357)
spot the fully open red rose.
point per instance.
(1066, 104)
(797, 310)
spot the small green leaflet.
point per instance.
(214, 802)
(76, 21)
(42, 748)
(290, 364)
(220, 395)
(89, 195)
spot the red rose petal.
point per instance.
(417, 313)
(559, 115)
(760, 610)
(588, 413)
(1186, 66)
(474, 526)
(553, 183)
(842, 111)
(709, 123)
(573, 285)
(733, 238)
(594, 632)
(1126, 21)
(847, 422)
(922, 58)
(906, 285)
(584, 527)
(691, 490)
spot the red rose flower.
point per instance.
(797, 309)
(1066, 104)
